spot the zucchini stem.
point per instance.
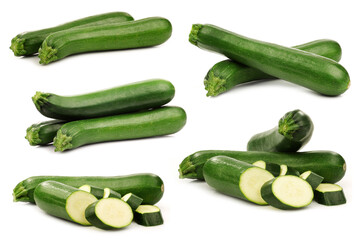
(62, 142)
(187, 169)
(214, 84)
(39, 99)
(193, 38)
(20, 193)
(17, 46)
(47, 54)
(287, 126)
(32, 135)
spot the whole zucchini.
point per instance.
(312, 71)
(28, 43)
(44, 132)
(327, 164)
(123, 99)
(294, 130)
(157, 122)
(226, 74)
(135, 34)
(148, 186)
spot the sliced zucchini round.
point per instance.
(273, 168)
(100, 193)
(286, 170)
(329, 194)
(312, 178)
(148, 215)
(133, 200)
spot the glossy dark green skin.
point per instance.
(134, 201)
(312, 71)
(330, 198)
(123, 99)
(46, 131)
(148, 219)
(328, 164)
(148, 186)
(292, 133)
(32, 40)
(51, 196)
(223, 173)
(234, 73)
(314, 180)
(127, 35)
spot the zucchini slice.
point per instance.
(329, 194)
(100, 193)
(286, 170)
(43, 133)
(236, 178)
(63, 201)
(148, 215)
(312, 178)
(287, 192)
(109, 213)
(133, 200)
(273, 168)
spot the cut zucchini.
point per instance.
(273, 168)
(329, 194)
(133, 200)
(287, 192)
(312, 178)
(148, 215)
(109, 193)
(109, 213)
(285, 170)
(100, 193)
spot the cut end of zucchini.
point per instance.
(148, 215)
(32, 135)
(17, 46)
(287, 126)
(39, 99)
(193, 38)
(47, 54)
(62, 142)
(76, 205)
(329, 194)
(214, 85)
(187, 169)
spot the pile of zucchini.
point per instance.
(130, 111)
(103, 32)
(272, 171)
(313, 65)
(96, 201)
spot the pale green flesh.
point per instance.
(292, 191)
(76, 205)
(107, 192)
(251, 182)
(114, 212)
(147, 209)
(126, 197)
(305, 175)
(328, 187)
(260, 164)
(85, 188)
(283, 170)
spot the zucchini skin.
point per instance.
(330, 198)
(226, 74)
(294, 131)
(28, 43)
(157, 122)
(127, 35)
(327, 164)
(149, 187)
(131, 97)
(43, 133)
(312, 71)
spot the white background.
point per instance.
(190, 209)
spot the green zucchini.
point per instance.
(312, 178)
(273, 168)
(133, 200)
(131, 97)
(63, 201)
(329, 194)
(109, 213)
(287, 192)
(43, 133)
(312, 71)
(148, 215)
(294, 131)
(28, 43)
(133, 34)
(158, 122)
(148, 186)
(227, 74)
(100, 193)
(328, 164)
(236, 178)
(285, 170)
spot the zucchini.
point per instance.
(109, 213)
(100, 193)
(28, 43)
(328, 164)
(312, 178)
(148, 186)
(126, 35)
(63, 201)
(236, 178)
(312, 71)
(285, 170)
(329, 194)
(274, 169)
(287, 192)
(43, 133)
(161, 121)
(148, 215)
(294, 130)
(227, 74)
(131, 97)
(133, 200)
